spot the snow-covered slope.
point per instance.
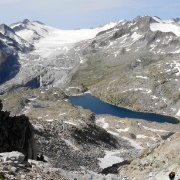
(31, 31)
(109, 25)
(166, 26)
(10, 38)
(49, 40)
(62, 40)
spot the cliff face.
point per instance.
(9, 67)
(16, 134)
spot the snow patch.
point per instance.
(165, 27)
(38, 127)
(109, 159)
(108, 25)
(68, 122)
(101, 122)
(148, 91)
(32, 99)
(178, 113)
(123, 130)
(154, 130)
(136, 36)
(141, 136)
(62, 114)
(177, 51)
(113, 133)
(143, 77)
(49, 120)
(154, 97)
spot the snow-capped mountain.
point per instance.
(10, 45)
(134, 62)
(166, 26)
(47, 64)
(31, 31)
(11, 39)
(144, 51)
(46, 38)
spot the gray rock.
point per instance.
(15, 155)
(23, 176)
(10, 163)
(14, 169)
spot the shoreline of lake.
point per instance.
(97, 106)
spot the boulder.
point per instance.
(13, 156)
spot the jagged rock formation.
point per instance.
(16, 134)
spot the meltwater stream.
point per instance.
(99, 107)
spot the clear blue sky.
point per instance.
(71, 14)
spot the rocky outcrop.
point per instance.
(16, 134)
(156, 163)
(13, 167)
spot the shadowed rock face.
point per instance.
(16, 134)
(8, 68)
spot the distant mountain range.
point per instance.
(124, 63)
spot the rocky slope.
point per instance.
(156, 163)
(79, 141)
(67, 135)
(135, 65)
(13, 167)
(10, 45)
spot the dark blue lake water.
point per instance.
(99, 107)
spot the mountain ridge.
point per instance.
(132, 46)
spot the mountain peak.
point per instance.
(108, 25)
(25, 21)
(3, 26)
(147, 19)
(176, 19)
(157, 19)
(5, 30)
